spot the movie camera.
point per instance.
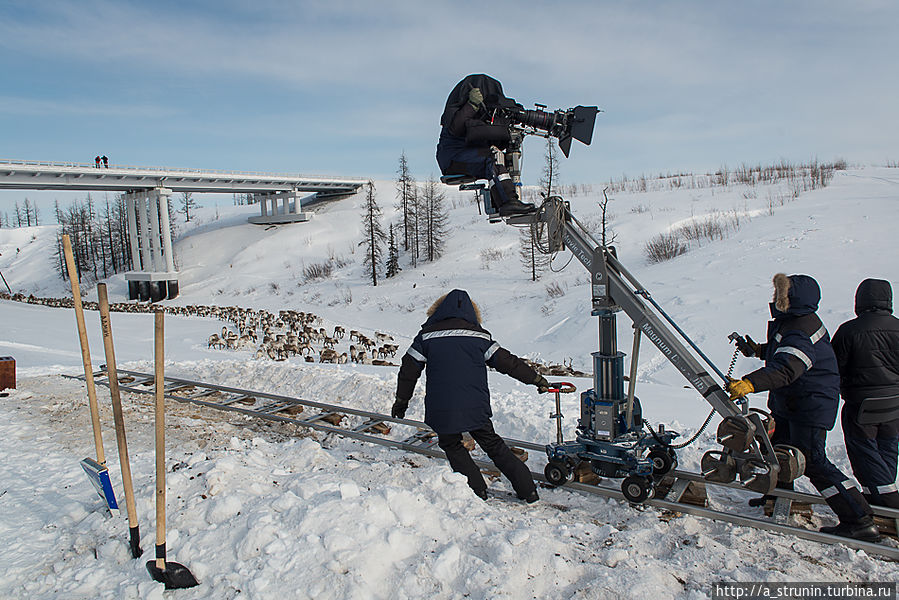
(563, 124)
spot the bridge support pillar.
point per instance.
(286, 207)
(153, 276)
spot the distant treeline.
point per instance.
(99, 236)
(23, 216)
(803, 177)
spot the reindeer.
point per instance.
(339, 332)
(247, 339)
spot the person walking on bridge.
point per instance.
(456, 352)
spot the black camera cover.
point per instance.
(491, 89)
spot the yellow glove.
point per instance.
(739, 388)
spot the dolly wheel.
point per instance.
(636, 488)
(662, 461)
(556, 472)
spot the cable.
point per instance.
(733, 363)
(688, 442)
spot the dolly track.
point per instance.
(268, 406)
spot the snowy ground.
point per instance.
(259, 510)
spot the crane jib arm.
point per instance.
(610, 290)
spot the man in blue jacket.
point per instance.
(455, 351)
(867, 350)
(801, 377)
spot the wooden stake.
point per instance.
(85, 349)
(124, 462)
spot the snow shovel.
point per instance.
(96, 470)
(174, 575)
(114, 393)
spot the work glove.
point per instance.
(542, 384)
(475, 97)
(739, 388)
(748, 347)
(398, 410)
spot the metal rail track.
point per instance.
(275, 407)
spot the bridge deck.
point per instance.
(28, 175)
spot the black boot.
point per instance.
(863, 529)
(531, 498)
(760, 501)
(515, 207)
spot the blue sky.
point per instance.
(344, 87)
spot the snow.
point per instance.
(263, 510)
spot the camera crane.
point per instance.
(612, 435)
(611, 432)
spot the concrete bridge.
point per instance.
(147, 190)
(33, 175)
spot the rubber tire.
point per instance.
(663, 461)
(556, 473)
(636, 488)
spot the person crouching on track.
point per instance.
(867, 350)
(455, 351)
(801, 376)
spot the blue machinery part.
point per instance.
(610, 432)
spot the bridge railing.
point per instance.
(44, 163)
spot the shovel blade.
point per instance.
(99, 478)
(175, 576)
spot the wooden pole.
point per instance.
(159, 359)
(85, 349)
(115, 394)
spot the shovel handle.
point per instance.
(159, 360)
(118, 417)
(85, 348)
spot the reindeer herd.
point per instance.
(278, 337)
(297, 333)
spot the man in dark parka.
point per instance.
(867, 350)
(469, 128)
(801, 376)
(455, 351)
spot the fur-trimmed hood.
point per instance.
(795, 295)
(456, 304)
